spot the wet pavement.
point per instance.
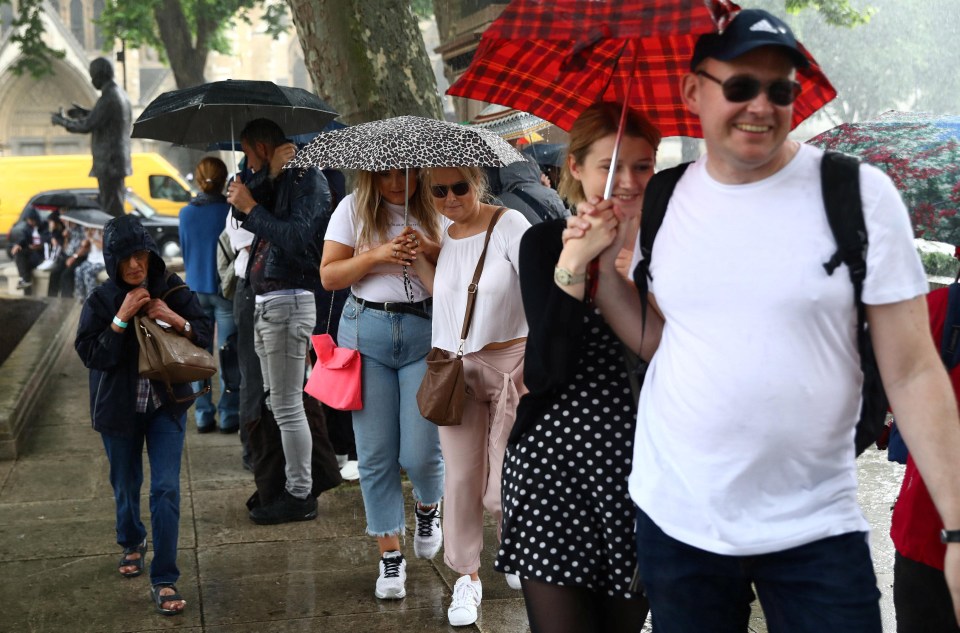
(58, 557)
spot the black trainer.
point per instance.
(285, 509)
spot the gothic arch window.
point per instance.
(77, 22)
(6, 17)
(97, 31)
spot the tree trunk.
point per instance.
(186, 60)
(367, 58)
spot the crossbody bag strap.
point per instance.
(472, 288)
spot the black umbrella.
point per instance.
(92, 218)
(546, 153)
(217, 111)
(300, 140)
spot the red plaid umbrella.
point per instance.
(555, 58)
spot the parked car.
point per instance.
(164, 230)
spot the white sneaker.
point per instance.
(466, 598)
(350, 471)
(393, 576)
(428, 536)
(342, 460)
(513, 581)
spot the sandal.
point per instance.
(131, 562)
(158, 600)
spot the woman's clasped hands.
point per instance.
(597, 228)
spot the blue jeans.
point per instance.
(390, 432)
(827, 585)
(164, 438)
(281, 331)
(218, 310)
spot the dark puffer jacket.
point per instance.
(112, 357)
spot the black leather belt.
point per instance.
(417, 308)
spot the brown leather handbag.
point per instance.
(443, 389)
(171, 358)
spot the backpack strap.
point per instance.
(531, 202)
(840, 181)
(950, 340)
(656, 197)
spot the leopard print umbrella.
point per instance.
(406, 142)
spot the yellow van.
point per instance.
(22, 177)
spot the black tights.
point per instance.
(559, 609)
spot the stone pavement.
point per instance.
(58, 557)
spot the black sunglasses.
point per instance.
(458, 188)
(740, 88)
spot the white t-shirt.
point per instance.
(744, 441)
(498, 311)
(240, 239)
(385, 281)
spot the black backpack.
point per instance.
(840, 178)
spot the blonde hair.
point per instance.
(374, 225)
(596, 122)
(210, 175)
(473, 176)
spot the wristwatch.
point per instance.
(186, 327)
(950, 536)
(564, 277)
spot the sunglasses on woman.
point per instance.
(458, 188)
(740, 88)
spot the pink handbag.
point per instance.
(335, 380)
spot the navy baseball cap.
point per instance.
(750, 29)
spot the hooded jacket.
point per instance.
(22, 232)
(113, 357)
(536, 202)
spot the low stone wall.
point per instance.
(27, 370)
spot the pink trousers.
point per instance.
(473, 452)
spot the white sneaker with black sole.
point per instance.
(393, 577)
(467, 595)
(428, 536)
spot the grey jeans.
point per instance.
(282, 329)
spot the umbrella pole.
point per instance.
(233, 150)
(608, 189)
(611, 175)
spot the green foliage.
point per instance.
(36, 58)
(835, 12)
(938, 264)
(133, 22)
(422, 8)
(903, 58)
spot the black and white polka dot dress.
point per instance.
(567, 516)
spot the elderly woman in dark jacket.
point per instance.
(128, 410)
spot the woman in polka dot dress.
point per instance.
(567, 516)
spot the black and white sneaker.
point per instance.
(428, 536)
(393, 577)
(23, 283)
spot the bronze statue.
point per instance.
(109, 123)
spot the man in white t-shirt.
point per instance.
(743, 469)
